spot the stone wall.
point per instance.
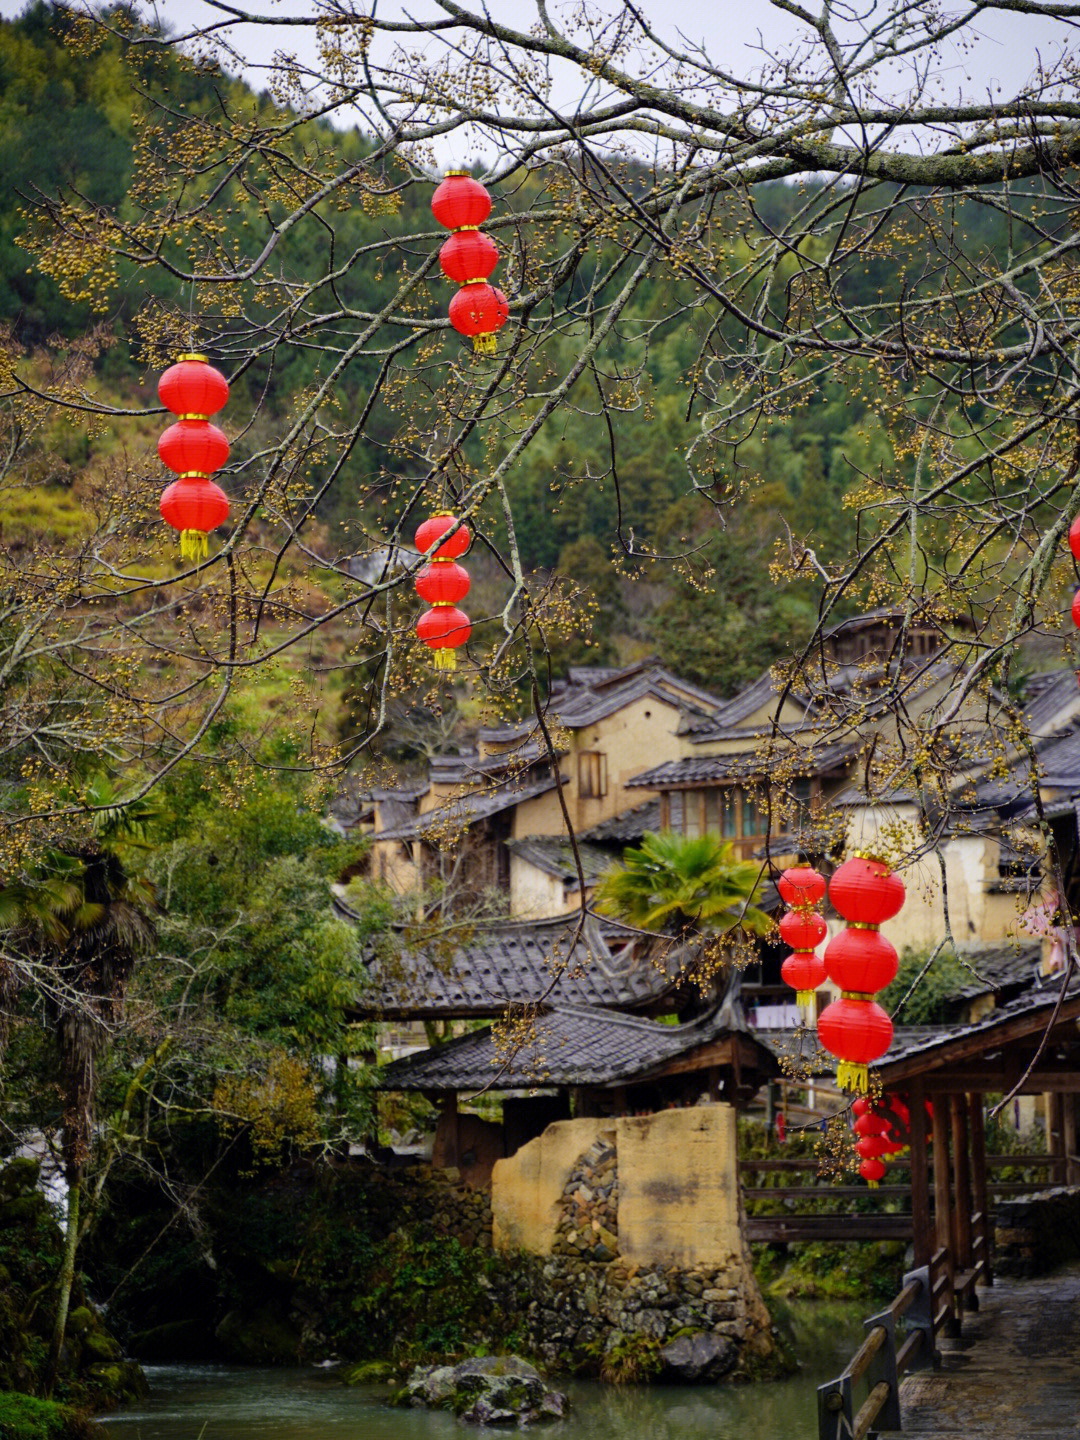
(430, 1199)
(636, 1226)
(1034, 1233)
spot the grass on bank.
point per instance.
(24, 1418)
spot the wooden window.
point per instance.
(592, 774)
(729, 813)
(753, 821)
(693, 801)
(712, 812)
(675, 810)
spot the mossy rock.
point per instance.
(100, 1347)
(22, 1210)
(82, 1319)
(368, 1372)
(118, 1381)
(19, 1176)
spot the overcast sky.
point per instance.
(731, 31)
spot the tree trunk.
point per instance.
(67, 1279)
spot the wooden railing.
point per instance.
(799, 1221)
(901, 1339)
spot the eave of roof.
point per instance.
(569, 1045)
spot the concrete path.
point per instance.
(1015, 1372)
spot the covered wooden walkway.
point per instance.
(1014, 1373)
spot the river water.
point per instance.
(202, 1402)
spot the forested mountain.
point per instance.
(68, 114)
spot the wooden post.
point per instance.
(1072, 1155)
(942, 1218)
(980, 1191)
(962, 1176)
(920, 1177)
(1055, 1134)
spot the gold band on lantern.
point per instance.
(861, 925)
(192, 415)
(194, 475)
(460, 228)
(192, 355)
(855, 995)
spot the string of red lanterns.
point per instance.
(468, 258)
(860, 961)
(1074, 546)
(193, 504)
(872, 1129)
(803, 929)
(442, 583)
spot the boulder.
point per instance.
(486, 1390)
(697, 1359)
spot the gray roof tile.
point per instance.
(570, 1045)
(525, 962)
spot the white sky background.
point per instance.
(732, 32)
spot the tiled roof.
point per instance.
(1000, 967)
(571, 1045)
(1036, 1006)
(699, 769)
(554, 855)
(525, 962)
(468, 809)
(631, 825)
(592, 695)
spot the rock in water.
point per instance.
(486, 1390)
(697, 1359)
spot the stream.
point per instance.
(206, 1402)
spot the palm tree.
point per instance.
(693, 889)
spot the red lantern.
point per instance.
(443, 629)
(1076, 608)
(861, 960)
(872, 1171)
(194, 505)
(460, 201)
(866, 891)
(803, 929)
(857, 1031)
(468, 256)
(193, 446)
(193, 390)
(442, 583)
(801, 887)
(431, 532)
(479, 311)
(1074, 538)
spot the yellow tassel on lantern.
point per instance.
(446, 659)
(194, 545)
(805, 998)
(852, 1077)
(484, 344)
(873, 1184)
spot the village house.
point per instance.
(492, 817)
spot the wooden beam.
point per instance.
(942, 1218)
(920, 1177)
(980, 1196)
(1055, 1134)
(1072, 1154)
(962, 1174)
(976, 1042)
